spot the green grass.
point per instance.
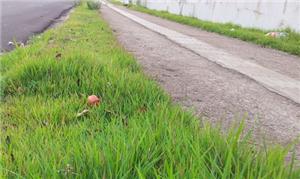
(290, 44)
(136, 132)
(93, 4)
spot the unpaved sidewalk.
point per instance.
(215, 92)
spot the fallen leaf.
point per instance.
(58, 56)
(143, 109)
(83, 113)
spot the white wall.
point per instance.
(263, 14)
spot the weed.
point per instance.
(93, 4)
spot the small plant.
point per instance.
(93, 4)
(77, 2)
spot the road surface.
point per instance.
(21, 19)
(195, 80)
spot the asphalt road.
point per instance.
(21, 19)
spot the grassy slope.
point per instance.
(291, 44)
(135, 132)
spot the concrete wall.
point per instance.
(263, 14)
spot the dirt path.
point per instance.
(216, 93)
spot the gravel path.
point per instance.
(215, 93)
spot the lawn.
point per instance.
(135, 132)
(289, 44)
